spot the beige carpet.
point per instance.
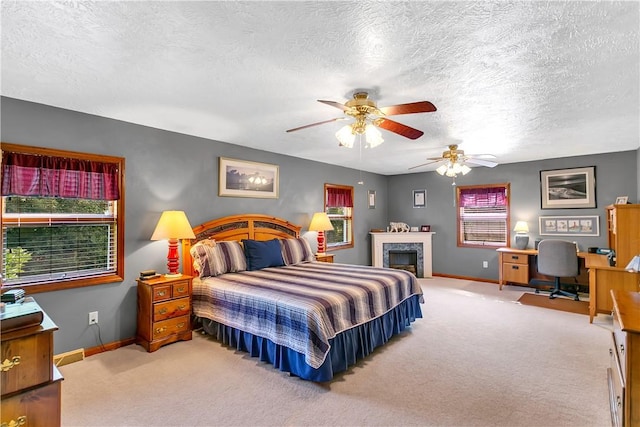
(477, 358)
(562, 304)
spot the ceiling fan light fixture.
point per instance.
(465, 169)
(373, 136)
(346, 137)
(442, 169)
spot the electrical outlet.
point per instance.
(485, 264)
(93, 318)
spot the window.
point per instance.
(62, 219)
(338, 204)
(483, 215)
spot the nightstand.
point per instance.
(164, 311)
(325, 258)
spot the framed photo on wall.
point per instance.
(569, 225)
(371, 199)
(568, 188)
(419, 198)
(241, 178)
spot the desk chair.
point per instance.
(558, 258)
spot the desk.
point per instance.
(518, 266)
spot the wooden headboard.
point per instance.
(238, 227)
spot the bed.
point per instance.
(258, 288)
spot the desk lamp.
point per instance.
(173, 225)
(320, 223)
(521, 239)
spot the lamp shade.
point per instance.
(521, 227)
(173, 225)
(320, 222)
(634, 265)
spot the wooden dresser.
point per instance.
(31, 384)
(325, 258)
(624, 373)
(164, 311)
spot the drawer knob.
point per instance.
(182, 307)
(163, 310)
(161, 330)
(9, 364)
(181, 289)
(181, 325)
(515, 267)
(162, 293)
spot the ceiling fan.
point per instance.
(368, 117)
(454, 162)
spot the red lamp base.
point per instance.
(173, 259)
(321, 246)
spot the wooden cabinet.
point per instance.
(31, 384)
(164, 311)
(325, 258)
(623, 229)
(624, 373)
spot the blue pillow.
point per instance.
(262, 254)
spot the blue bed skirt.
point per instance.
(346, 348)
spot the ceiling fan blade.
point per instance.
(425, 164)
(335, 104)
(413, 107)
(316, 124)
(399, 128)
(481, 162)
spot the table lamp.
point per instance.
(521, 239)
(320, 223)
(173, 225)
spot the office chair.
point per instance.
(558, 258)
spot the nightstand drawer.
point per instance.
(22, 362)
(170, 309)
(161, 292)
(171, 326)
(181, 289)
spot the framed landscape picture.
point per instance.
(568, 188)
(241, 178)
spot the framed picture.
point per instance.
(568, 188)
(241, 178)
(371, 199)
(425, 228)
(622, 200)
(569, 225)
(419, 198)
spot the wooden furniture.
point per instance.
(31, 384)
(623, 231)
(164, 310)
(325, 258)
(624, 373)
(519, 267)
(602, 280)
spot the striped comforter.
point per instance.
(302, 306)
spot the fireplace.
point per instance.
(404, 260)
(419, 242)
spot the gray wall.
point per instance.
(615, 176)
(166, 170)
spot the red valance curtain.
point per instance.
(50, 176)
(339, 198)
(483, 197)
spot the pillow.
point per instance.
(262, 254)
(295, 251)
(231, 256)
(206, 258)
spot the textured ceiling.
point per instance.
(521, 80)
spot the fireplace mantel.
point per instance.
(378, 240)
